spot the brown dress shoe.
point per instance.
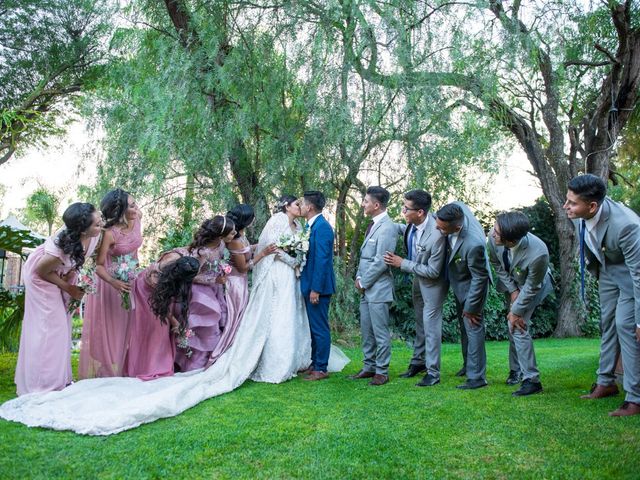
(305, 371)
(361, 374)
(601, 391)
(379, 379)
(626, 409)
(316, 375)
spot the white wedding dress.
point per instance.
(271, 344)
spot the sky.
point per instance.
(69, 161)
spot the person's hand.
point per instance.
(638, 333)
(121, 286)
(269, 250)
(392, 259)
(75, 292)
(475, 319)
(514, 295)
(314, 297)
(221, 280)
(516, 322)
(358, 286)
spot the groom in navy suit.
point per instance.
(317, 282)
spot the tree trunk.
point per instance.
(341, 224)
(571, 312)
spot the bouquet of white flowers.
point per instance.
(295, 245)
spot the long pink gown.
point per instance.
(44, 359)
(207, 315)
(152, 348)
(237, 297)
(105, 326)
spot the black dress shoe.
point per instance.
(528, 388)
(413, 370)
(462, 372)
(514, 378)
(473, 384)
(428, 381)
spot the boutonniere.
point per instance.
(457, 259)
(517, 270)
(420, 248)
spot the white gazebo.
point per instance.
(14, 223)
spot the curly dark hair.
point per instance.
(174, 286)
(113, 206)
(283, 202)
(77, 218)
(242, 215)
(216, 227)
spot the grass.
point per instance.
(340, 428)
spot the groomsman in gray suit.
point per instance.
(425, 247)
(375, 283)
(521, 261)
(467, 269)
(609, 234)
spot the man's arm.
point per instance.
(532, 286)
(476, 262)
(630, 246)
(323, 256)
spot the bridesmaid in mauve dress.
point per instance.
(162, 295)
(44, 359)
(207, 307)
(106, 323)
(237, 285)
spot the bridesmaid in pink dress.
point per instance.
(162, 293)
(106, 323)
(207, 307)
(44, 359)
(237, 285)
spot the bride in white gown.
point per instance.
(287, 348)
(271, 345)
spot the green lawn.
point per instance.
(341, 428)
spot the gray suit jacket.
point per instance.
(430, 253)
(528, 272)
(618, 238)
(375, 275)
(469, 272)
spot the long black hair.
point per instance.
(174, 285)
(283, 202)
(242, 215)
(77, 218)
(113, 207)
(216, 227)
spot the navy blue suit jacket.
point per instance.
(317, 274)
